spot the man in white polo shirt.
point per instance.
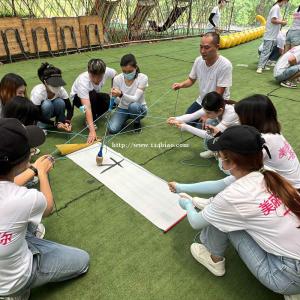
(212, 71)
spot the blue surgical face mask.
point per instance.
(227, 172)
(130, 76)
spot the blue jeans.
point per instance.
(53, 262)
(135, 111)
(279, 274)
(193, 108)
(268, 47)
(288, 73)
(53, 108)
(293, 38)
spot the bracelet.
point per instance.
(32, 168)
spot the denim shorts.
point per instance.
(288, 73)
(293, 37)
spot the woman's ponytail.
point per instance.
(281, 188)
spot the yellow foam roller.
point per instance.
(261, 19)
(66, 149)
(223, 41)
(233, 40)
(228, 42)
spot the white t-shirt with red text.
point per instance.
(18, 207)
(247, 205)
(283, 158)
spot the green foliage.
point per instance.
(246, 10)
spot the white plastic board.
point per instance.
(144, 191)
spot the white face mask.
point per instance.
(227, 172)
(53, 89)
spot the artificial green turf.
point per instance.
(130, 257)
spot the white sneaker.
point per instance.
(200, 202)
(292, 297)
(40, 231)
(207, 154)
(288, 84)
(259, 70)
(201, 254)
(267, 68)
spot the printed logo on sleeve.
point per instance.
(5, 238)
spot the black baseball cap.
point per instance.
(241, 139)
(16, 140)
(55, 80)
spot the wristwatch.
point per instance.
(36, 173)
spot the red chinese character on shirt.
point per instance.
(287, 151)
(269, 205)
(5, 238)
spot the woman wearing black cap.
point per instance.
(259, 214)
(25, 260)
(52, 98)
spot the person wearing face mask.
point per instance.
(52, 99)
(259, 214)
(87, 94)
(212, 71)
(257, 111)
(215, 110)
(11, 85)
(273, 26)
(129, 92)
(215, 17)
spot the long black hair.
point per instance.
(298, 10)
(258, 111)
(213, 102)
(23, 109)
(130, 60)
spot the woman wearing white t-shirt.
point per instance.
(26, 261)
(215, 17)
(259, 214)
(293, 35)
(129, 92)
(215, 111)
(52, 99)
(86, 93)
(273, 26)
(257, 111)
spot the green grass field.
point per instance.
(130, 257)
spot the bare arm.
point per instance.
(185, 84)
(46, 190)
(220, 90)
(89, 119)
(24, 177)
(292, 60)
(278, 21)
